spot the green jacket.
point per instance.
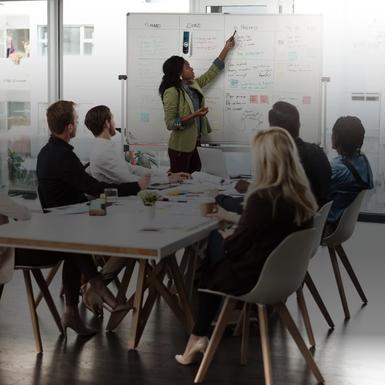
(184, 137)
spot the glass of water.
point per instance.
(111, 195)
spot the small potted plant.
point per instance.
(149, 199)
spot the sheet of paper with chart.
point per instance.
(277, 57)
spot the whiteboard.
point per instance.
(276, 57)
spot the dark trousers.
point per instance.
(208, 304)
(74, 266)
(184, 161)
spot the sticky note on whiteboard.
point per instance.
(145, 117)
(253, 99)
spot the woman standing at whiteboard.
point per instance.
(184, 108)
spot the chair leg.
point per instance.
(340, 285)
(32, 310)
(352, 275)
(48, 298)
(245, 333)
(1, 290)
(51, 274)
(318, 300)
(265, 344)
(238, 327)
(220, 327)
(293, 330)
(305, 315)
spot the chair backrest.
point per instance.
(284, 269)
(319, 224)
(346, 224)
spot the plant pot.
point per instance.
(150, 212)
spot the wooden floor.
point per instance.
(353, 354)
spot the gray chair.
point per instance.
(334, 242)
(282, 274)
(41, 282)
(319, 224)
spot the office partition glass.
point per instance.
(23, 91)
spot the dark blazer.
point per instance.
(261, 228)
(62, 179)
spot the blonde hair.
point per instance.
(278, 166)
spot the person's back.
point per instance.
(351, 171)
(264, 224)
(313, 158)
(56, 166)
(317, 169)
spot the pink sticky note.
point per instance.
(253, 99)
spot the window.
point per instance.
(77, 39)
(18, 114)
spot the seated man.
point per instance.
(106, 164)
(313, 159)
(351, 171)
(62, 179)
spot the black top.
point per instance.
(317, 169)
(63, 180)
(261, 228)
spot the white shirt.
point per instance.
(10, 209)
(107, 165)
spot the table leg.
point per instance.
(138, 300)
(116, 318)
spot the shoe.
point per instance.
(93, 302)
(193, 355)
(76, 324)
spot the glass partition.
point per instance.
(23, 90)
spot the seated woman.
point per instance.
(74, 266)
(277, 204)
(351, 171)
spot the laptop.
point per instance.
(213, 161)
